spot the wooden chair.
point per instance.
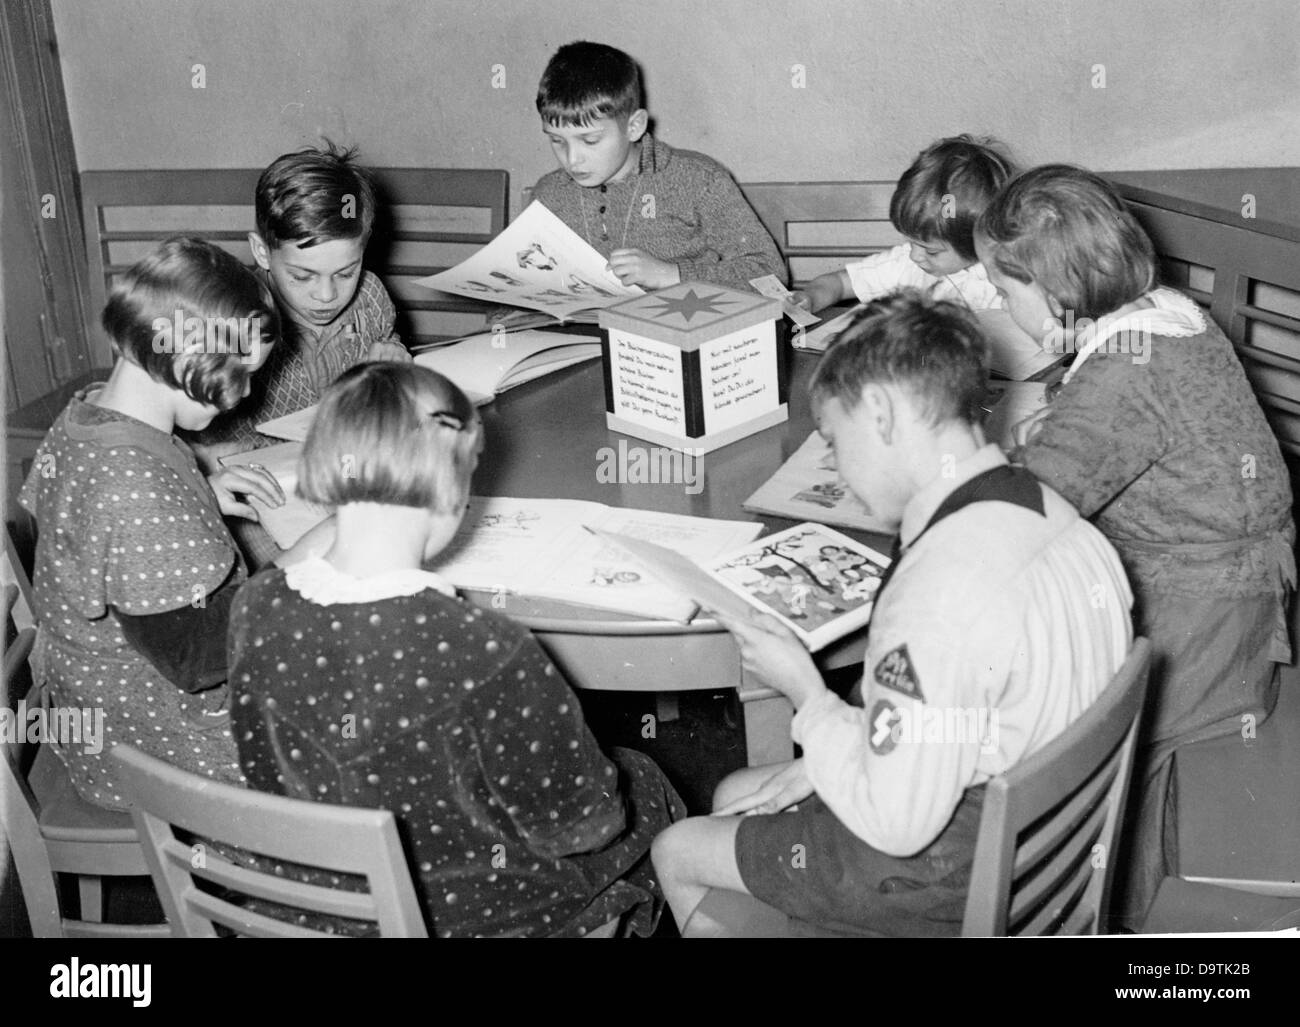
(339, 839)
(821, 226)
(428, 219)
(49, 828)
(1042, 860)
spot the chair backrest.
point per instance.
(18, 590)
(821, 226)
(336, 839)
(1045, 854)
(428, 219)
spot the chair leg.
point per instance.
(90, 891)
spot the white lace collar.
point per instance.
(1171, 313)
(320, 582)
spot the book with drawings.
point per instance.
(808, 488)
(821, 584)
(537, 262)
(543, 548)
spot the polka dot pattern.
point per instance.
(454, 718)
(126, 520)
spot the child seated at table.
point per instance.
(659, 214)
(1157, 436)
(935, 207)
(315, 209)
(135, 570)
(362, 679)
(1002, 606)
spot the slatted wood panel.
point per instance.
(821, 226)
(1250, 284)
(428, 219)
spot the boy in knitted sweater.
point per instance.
(660, 215)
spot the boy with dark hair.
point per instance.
(1003, 616)
(314, 209)
(934, 207)
(660, 215)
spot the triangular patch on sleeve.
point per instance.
(895, 671)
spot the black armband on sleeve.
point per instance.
(186, 646)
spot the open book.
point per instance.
(540, 547)
(485, 365)
(482, 365)
(808, 488)
(288, 523)
(819, 583)
(1013, 354)
(537, 262)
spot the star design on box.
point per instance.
(691, 304)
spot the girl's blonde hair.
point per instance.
(1067, 230)
(390, 433)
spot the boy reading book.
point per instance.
(660, 215)
(1002, 605)
(315, 209)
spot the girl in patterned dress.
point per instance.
(362, 679)
(1156, 436)
(135, 570)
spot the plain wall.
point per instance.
(1187, 83)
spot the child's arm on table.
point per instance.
(385, 344)
(824, 291)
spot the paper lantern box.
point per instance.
(693, 367)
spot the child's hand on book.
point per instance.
(250, 480)
(636, 267)
(774, 656)
(785, 788)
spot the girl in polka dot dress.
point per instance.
(135, 570)
(361, 679)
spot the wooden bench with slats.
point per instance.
(428, 219)
(821, 226)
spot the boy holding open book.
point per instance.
(1004, 614)
(660, 215)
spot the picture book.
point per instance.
(537, 262)
(288, 523)
(808, 488)
(821, 584)
(541, 547)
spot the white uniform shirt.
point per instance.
(998, 629)
(883, 273)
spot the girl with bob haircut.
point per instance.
(135, 569)
(363, 679)
(1157, 436)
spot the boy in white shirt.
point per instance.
(1003, 617)
(935, 207)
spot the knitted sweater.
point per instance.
(679, 206)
